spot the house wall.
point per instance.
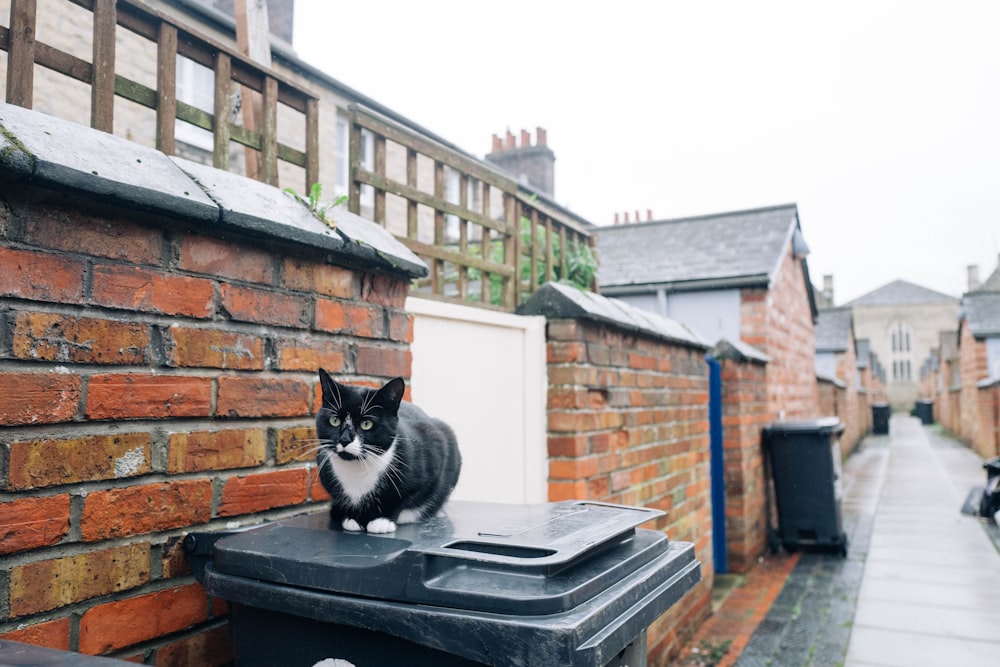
(852, 412)
(744, 415)
(161, 378)
(973, 369)
(988, 436)
(778, 322)
(628, 423)
(925, 322)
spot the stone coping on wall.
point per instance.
(559, 301)
(988, 382)
(45, 151)
(738, 351)
(837, 382)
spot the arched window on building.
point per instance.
(902, 363)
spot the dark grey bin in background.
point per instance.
(925, 411)
(572, 583)
(805, 467)
(880, 418)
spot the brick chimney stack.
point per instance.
(532, 164)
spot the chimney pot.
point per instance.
(973, 271)
(637, 218)
(626, 217)
(525, 138)
(511, 141)
(541, 136)
(616, 219)
(497, 143)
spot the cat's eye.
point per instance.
(366, 424)
(334, 420)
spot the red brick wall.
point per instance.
(851, 410)
(973, 368)
(778, 322)
(157, 380)
(628, 423)
(988, 444)
(744, 416)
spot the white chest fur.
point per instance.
(359, 477)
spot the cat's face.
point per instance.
(357, 422)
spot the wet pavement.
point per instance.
(920, 584)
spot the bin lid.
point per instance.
(525, 559)
(821, 426)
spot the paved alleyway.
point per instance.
(931, 588)
(920, 585)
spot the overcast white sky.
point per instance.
(880, 119)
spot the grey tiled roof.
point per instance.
(991, 284)
(982, 311)
(901, 293)
(721, 250)
(833, 330)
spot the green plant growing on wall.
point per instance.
(581, 263)
(316, 205)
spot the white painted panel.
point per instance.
(713, 314)
(484, 373)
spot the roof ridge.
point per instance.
(703, 216)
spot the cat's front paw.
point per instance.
(352, 525)
(381, 525)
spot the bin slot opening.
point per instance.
(509, 550)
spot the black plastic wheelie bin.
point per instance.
(804, 460)
(571, 583)
(925, 411)
(880, 418)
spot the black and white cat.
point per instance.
(382, 460)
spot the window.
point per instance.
(902, 362)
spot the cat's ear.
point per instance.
(391, 394)
(328, 383)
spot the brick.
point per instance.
(400, 327)
(53, 461)
(211, 648)
(309, 354)
(174, 561)
(111, 626)
(40, 398)
(135, 396)
(264, 491)
(133, 288)
(136, 510)
(316, 491)
(382, 361)
(569, 445)
(213, 348)
(216, 450)
(326, 279)
(296, 445)
(40, 276)
(50, 634)
(384, 290)
(246, 304)
(576, 490)
(49, 584)
(104, 236)
(215, 257)
(263, 397)
(82, 340)
(30, 523)
(580, 468)
(562, 353)
(349, 319)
